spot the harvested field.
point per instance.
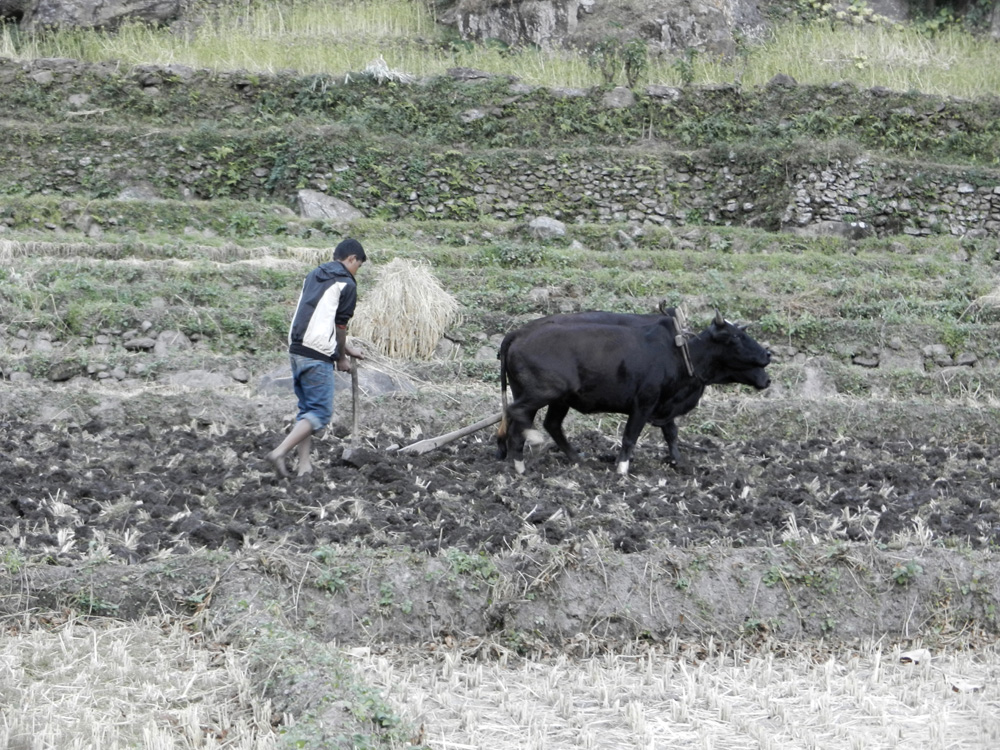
(695, 695)
(92, 682)
(100, 683)
(730, 603)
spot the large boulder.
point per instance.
(103, 14)
(544, 23)
(706, 25)
(674, 25)
(14, 9)
(314, 204)
(546, 228)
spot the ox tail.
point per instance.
(503, 390)
(501, 453)
(502, 356)
(503, 426)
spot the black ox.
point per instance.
(642, 366)
(588, 316)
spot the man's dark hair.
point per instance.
(347, 248)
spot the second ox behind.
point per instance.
(642, 366)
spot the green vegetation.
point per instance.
(336, 570)
(90, 604)
(11, 560)
(616, 59)
(343, 710)
(84, 297)
(936, 55)
(474, 569)
(773, 286)
(811, 294)
(902, 59)
(906, 573)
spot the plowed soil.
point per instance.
(139, 491)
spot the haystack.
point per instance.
(406, 312)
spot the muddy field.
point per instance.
(134, 491)
(137, 500)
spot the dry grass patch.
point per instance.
(312, 36)
(987, 302)
(806, 696)
(16, 250)
(104, 684)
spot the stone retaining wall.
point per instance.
(130, 139)
(600, 186)
(896, 198)
(891, 198)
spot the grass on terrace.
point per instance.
(321, 37)
(801, 291)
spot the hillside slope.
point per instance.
(152, 252)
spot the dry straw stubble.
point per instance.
(683, 696)
(105, 684)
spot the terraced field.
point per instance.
(854, 501)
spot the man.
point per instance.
(317, 342)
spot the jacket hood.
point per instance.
(332, 270)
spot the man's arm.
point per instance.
(344, 352)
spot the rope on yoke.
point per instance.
(681, 339)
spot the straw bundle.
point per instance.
(406, 313)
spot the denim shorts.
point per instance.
(314, 382)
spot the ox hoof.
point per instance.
(623, 468)
(519, 467)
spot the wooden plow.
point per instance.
(430, 444)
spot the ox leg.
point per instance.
(670, 436)
(503, 431)
(554, 417)
(630, 436)
(521, 419)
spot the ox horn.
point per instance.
(719, 320)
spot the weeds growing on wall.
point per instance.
(620, 61)
(282, 111)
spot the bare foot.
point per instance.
(278, 462)
(303, 471)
